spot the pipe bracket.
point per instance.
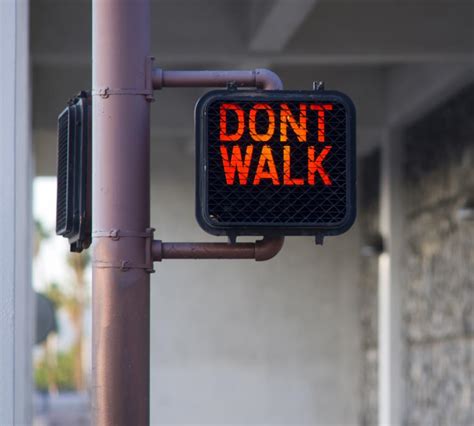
(261, 250)
(149, 78)
(258, 78)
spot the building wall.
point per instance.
(245, 342)
(438, 305)
(16, 296)
(437, 269)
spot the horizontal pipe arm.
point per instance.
(260, 78)
(261, 250)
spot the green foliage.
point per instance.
(59, 375)
(79, 261)
(41, 376)
(63, 371)
(55, 294)
(41, 234)
(41, 231)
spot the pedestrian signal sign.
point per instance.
(275, 162)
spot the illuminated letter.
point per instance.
(287, 117)
(287, 179)
(224, 136)
(261, 137)
(266, 158)
(321, 110)
(317, 165)
(236, 163)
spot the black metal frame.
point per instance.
(274, 229)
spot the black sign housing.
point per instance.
(73, 204)
(275, 162)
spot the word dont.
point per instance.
(286, 118)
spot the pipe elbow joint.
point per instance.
(268, 248)
(267, 79)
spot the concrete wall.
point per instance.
(438, 305)
(245, 342)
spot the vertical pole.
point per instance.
(121, 201)
(389, 284)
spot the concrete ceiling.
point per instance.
(360, 47)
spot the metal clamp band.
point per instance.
(107, 91)
(116, 234)
(147, 91)
(123, 265)
(126, 265)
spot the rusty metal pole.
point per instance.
(121, 213)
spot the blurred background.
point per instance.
(374, 327)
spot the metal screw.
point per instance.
(318, 85)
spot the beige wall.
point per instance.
(246, 342)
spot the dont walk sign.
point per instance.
(275, 163)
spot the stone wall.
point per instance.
(438, 292)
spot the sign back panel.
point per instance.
(275, 162)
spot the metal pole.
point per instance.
(121, 213)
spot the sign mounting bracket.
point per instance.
(261, 250)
